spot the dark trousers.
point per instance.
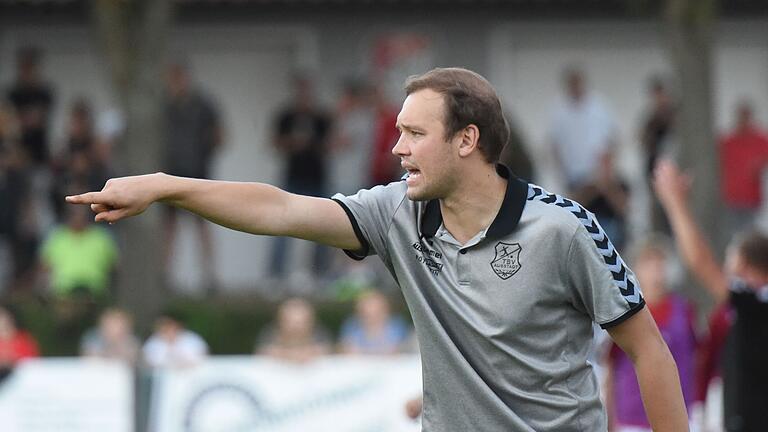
(281, 245)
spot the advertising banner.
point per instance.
(67, 395)
(339, 394)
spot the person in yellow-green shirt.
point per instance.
(79, 256)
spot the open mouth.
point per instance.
(413, 173)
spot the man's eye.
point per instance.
(417, 133)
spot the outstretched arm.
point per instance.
(254, 208)
(656, 371)
(671, 187)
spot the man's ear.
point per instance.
(469, 138)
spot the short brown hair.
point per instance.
(469, 99)
(753, 248)
(653, 243)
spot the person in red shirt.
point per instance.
(385, 167)
(743, 157)
(15, 344)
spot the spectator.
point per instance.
(295, 336)
(352, 139)
(33, 100)
(81, 162)
(743, 157)
(373, 330)
(109, 127)
(515, 154)
(655, 136)
(18, 230)
(675, 317)
(15, 344)
(385, 167)
(743, 282)
(194, 133)
(80, 257)
(9, 126)
(112, 339)
(172, 345)
(582, 133)
(658, 124)
(10, 196)
(301, 133)
(607, 196)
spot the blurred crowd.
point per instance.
(295, 336)
(54, 250)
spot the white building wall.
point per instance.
(247, 69)
(527, 60)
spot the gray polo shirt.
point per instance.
(504, 321)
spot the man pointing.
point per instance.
(502, 278)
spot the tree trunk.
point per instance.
(134, 34)
(690, 25)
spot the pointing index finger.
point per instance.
(86, 198)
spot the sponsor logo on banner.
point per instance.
(259, 394)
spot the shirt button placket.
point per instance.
(462, 267)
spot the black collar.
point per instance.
(506, 220)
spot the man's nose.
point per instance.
(400, 147)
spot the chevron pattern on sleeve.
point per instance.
(613, 261)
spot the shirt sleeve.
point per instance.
(602, 284)
(197, 348)
(371, 212)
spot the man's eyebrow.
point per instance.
(401, 126)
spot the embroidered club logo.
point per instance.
(507, 260)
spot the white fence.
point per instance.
(339, 394)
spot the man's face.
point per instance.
(78, 219)
(296, 318)
(423, 150)
(304, 93)
(373, 309)
(177, 80)
(744, 116)
(739, 268)
(115, 327)
(168, 329)
(651, 271)
(6, 323)
(575, 86)
(26, 70)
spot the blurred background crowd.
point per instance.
(304, 95)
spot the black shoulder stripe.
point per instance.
(362, 253)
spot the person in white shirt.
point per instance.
(173, 346)
(582, 131)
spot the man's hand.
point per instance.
(672, 187)
(670, 184)
(414, 407)
(121, 197)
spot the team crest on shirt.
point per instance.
(507, 260)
